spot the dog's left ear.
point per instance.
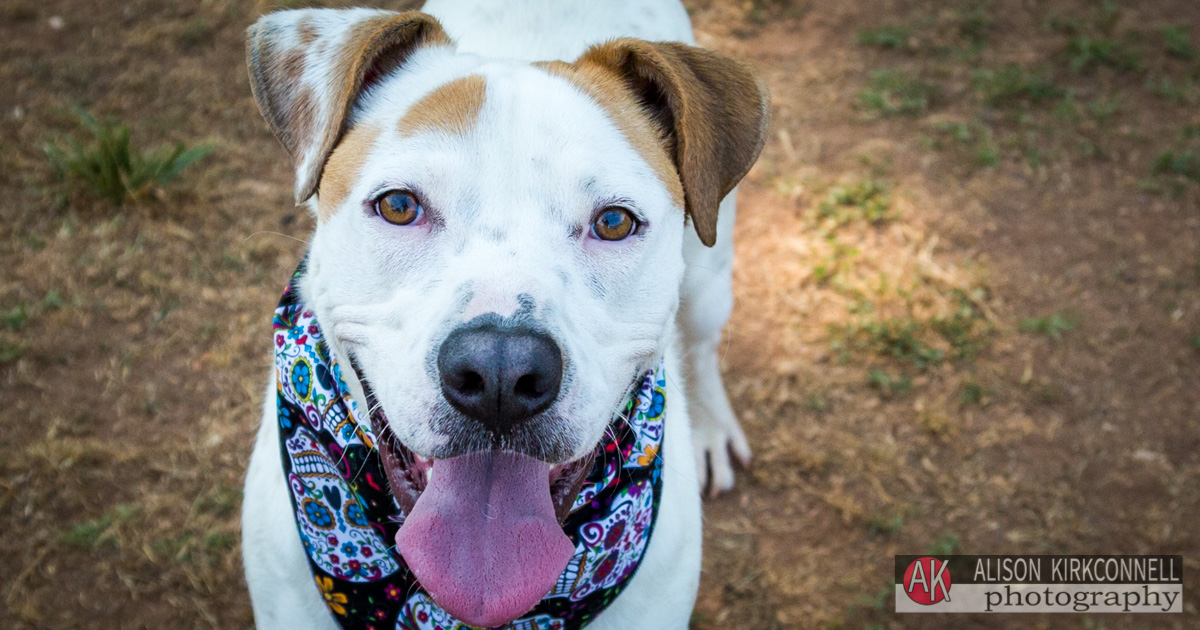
(308, 67)
(712, 113)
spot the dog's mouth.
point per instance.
(482, 531)
(408, 473)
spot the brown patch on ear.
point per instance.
(607, 90)
(451, 107)
(344, 167)
(303, 112)
(712, 113)
(293, 64)
(306, 32)
(372, 48)
(384, 43)
(274, 81)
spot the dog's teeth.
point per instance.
(428, 475)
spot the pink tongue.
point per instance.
(482, 538)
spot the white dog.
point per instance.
(506, 242)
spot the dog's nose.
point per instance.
(498, 375)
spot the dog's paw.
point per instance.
(718, 445)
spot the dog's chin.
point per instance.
(408, 473)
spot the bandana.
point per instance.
(348, 518)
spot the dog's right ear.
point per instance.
(308, 67)
(710, 111)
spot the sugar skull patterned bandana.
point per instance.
(348, 518)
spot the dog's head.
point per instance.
(498, 249)
(498, 244)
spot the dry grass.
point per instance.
(968, 327)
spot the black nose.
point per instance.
(500, 375)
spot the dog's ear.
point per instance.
(710, 110)
(308, 67)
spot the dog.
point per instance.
(521, 208)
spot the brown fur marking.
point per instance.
(343, 168)
(607, 90)
(451, 107)
(293, 64)
(710, 110)
(306, 31)
(373, 47)
(302, 112)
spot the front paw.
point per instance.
(718, 444)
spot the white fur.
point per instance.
(540, 159)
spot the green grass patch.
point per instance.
(888, 36)
(838, 261)
(94, 533)
(888, 384)
(975, 23)
(1014, 83)
(220, 541)
(959, 132)
(1052, 326)
(1178, 43)
(891, 92)
(11, 350)
(976, 136)
(1067, 109)
(988, 154)
(877, 601)
(221, 501)
(1168, 88)
(816, 402)
(15, 317)
(972, 393)
(944, 545)
(885, 524)
(90, 534)
(966, 329)
(1181, 163)
(53, 301)
(961, 335)
(1103, 108)
(109, 167)
(868, 200)
(203, 547)
(900, 338)
(1108, 16)
(1085, 52)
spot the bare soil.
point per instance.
(970, 324)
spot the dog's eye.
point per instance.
(399, 207)
(614, 224)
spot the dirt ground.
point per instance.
(968, 306)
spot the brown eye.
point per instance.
(614, 224)
(399, 208)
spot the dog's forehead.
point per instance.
(553, 117)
